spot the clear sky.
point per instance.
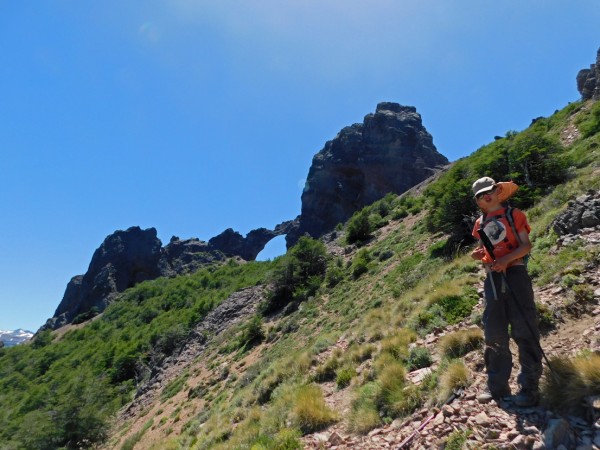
(196, 116)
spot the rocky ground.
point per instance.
(490, 425)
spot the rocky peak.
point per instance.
(391, 151)
(588, 81)
(126, 258)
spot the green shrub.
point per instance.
(360, 264)
(80, 318)
(418, 358)
(327, 371)
(397, 344)
(570, 382)
(359, 227)
(335, 273)
(394, 398)
(298, 274)
(458, 307)
(252, 332)
(344, 377)
(453, 377)
(429, 320)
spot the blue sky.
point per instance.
(195, 116)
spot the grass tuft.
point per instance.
(454, 377)
(310, 411)
(397, 344)
(459, 343)
(571, 381)
(364, 415)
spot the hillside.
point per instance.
(338, 369)
(352, 341)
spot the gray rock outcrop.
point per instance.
(233, 243)
(583, 212)
(391, 151)
(128, 257)
(588, 81)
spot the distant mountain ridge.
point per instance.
(15, 337)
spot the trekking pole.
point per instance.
(485, 240)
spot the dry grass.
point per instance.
(394, 398)
(397, 343)
(571, 381)
(454, 377)
(459, 343)
(364, 415)
(310, 412)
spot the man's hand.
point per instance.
(478, 253)
(500, 264)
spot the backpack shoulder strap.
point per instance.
(511, 221)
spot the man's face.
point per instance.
(486, 199)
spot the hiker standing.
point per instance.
(507, 282)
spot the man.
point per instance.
(506, 284)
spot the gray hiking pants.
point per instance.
(498, 314)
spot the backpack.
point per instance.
(508, 214)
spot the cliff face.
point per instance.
(391, 151)
(588, 81)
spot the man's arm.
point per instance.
(524, 248)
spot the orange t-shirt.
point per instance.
(498, 229)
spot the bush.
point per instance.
(359, 227)
(458, 307)
(394, 398)
(360, 265)
(591, 125)
(327, 371)
(298, 275)
(252, 332)
(85, 316)
(335, 273)
(397, 344)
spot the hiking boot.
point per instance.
(526, 398)
(487, 395)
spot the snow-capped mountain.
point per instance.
(11, 338)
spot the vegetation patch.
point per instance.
(310, 411)
(570, 382)
(453, 377)
(459, 343)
